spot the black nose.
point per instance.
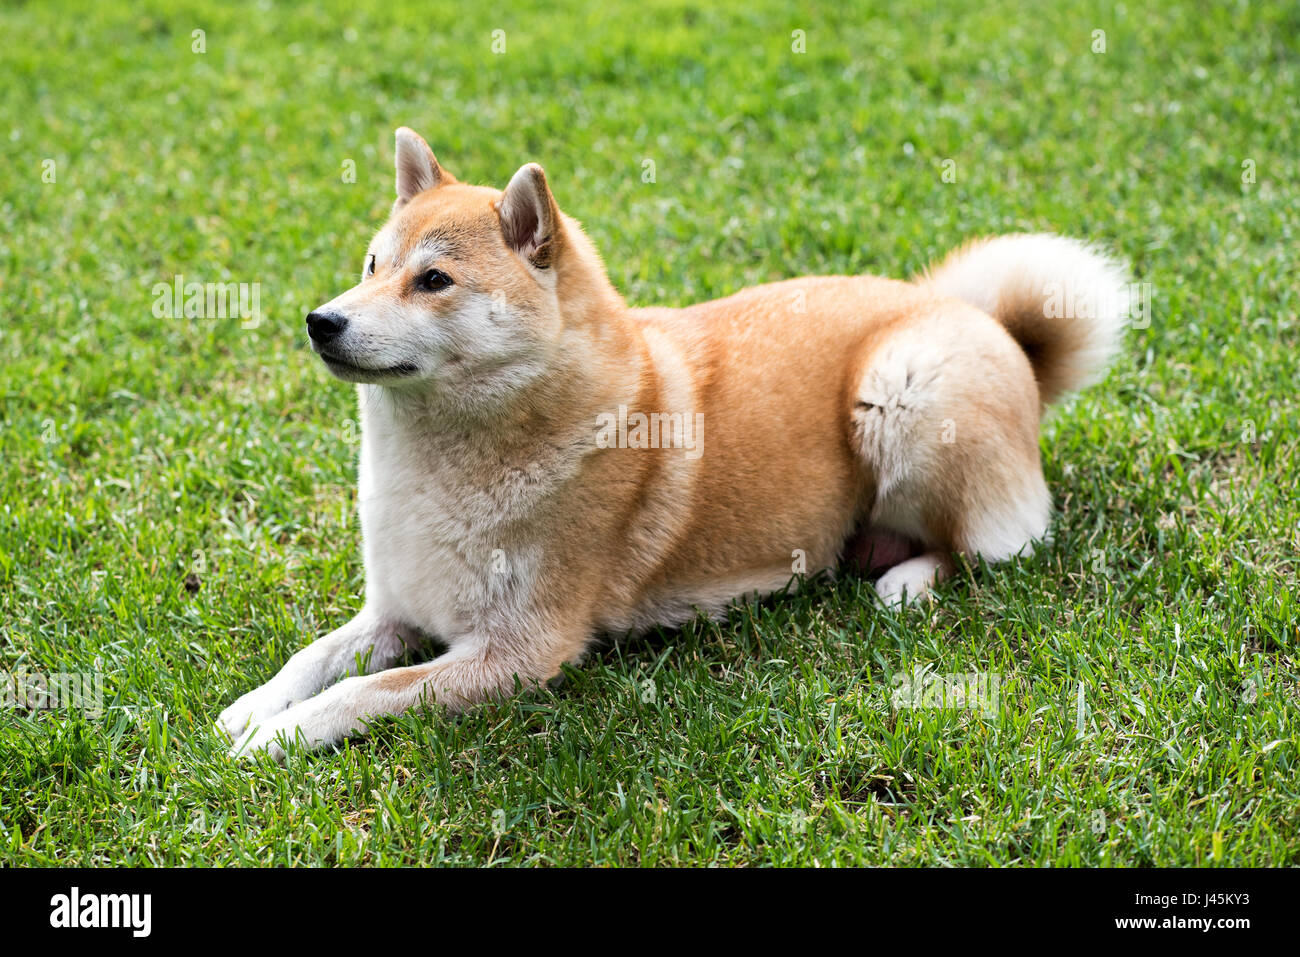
(324, 326)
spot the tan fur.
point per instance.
(828, 404)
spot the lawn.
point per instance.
(178, 494)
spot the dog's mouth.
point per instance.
(358, 373)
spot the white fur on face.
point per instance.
(466, 340)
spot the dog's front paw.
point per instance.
(268, 738)
(252, 709)
(312, 724)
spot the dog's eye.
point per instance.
(370, 265)
(433, 280)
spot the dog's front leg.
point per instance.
(471, 672)
(320, 663)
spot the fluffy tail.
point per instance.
(1061, 299)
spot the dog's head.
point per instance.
(458, 291)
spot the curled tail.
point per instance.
(1061, 299)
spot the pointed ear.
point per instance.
(530, 220)
(417, 167)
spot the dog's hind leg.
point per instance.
(912, 579)
(945, 418)
(369, 637)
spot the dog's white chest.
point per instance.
(421, 565)
(446, 529)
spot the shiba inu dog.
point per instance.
(542, 464)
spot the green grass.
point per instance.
(138, 451)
